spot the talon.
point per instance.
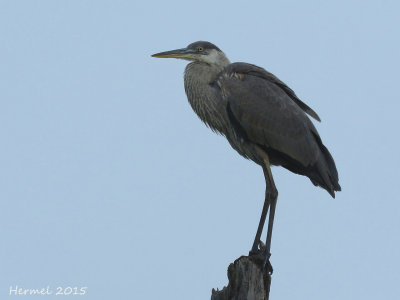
(267, 265)
(262, 258)
(261, 246)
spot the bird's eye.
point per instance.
(199, 49)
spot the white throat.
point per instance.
(215, 57)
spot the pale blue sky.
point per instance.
(109, 180)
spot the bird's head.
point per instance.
(201, 51)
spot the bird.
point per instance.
(262, 119)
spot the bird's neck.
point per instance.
(202, 95)
(203, 73)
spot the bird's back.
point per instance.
(263, 111)
(252, 107)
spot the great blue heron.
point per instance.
(261, 117)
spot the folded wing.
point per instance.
(268, 113)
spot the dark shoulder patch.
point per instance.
(239, 130)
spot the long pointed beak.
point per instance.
(178, 53)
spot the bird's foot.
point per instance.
(261, 257)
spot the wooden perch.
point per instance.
(247, 281)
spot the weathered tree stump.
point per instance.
(247, 281)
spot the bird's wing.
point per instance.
(249, 69)
(266, 112)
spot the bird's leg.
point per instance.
(272, 193)
(254, 250)
(259, 251)
(271, 223)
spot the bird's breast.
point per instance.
(206, 104)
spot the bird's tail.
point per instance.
(325, 173)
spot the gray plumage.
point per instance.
(251, 106)
(260, 116)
